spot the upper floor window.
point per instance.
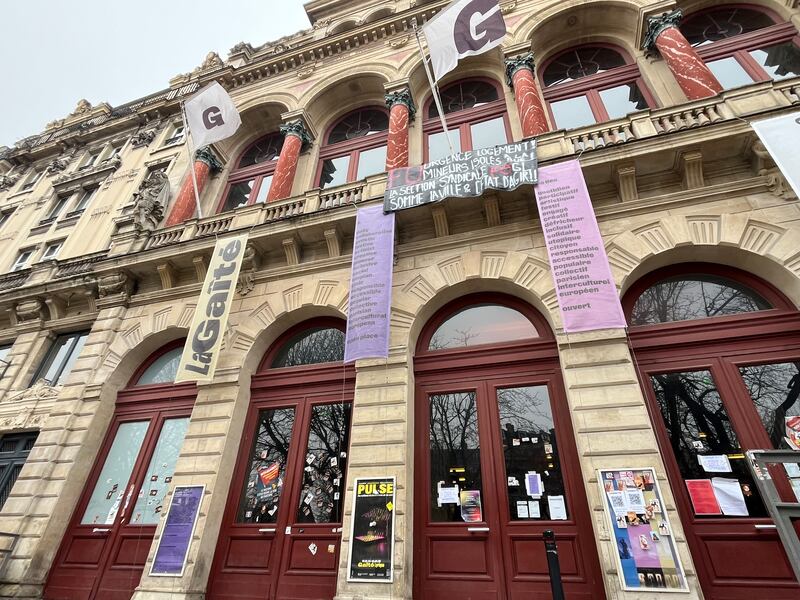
(52, 249)
(476, 118)
(742, 45)
(318, 344)
(592, 84)
(31, 180)
(176, 134)
(60, 358)
(250, 180)
(91, 159)
(354, 148)
(4, 360)
(163, 368)
(5, 215)
(55, 210)
(22, 259)
(484, 323)
(84, 198)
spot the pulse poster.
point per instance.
(647, 556)
(372, 530)
(173, 545)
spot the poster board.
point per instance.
(646, 553)
(371, 557)
(179, 526)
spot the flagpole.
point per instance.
(191, 160)
(434, 87)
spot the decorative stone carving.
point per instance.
(777, 184)
(150, 201)
(205, 155)
(116, 283)
(523, 61)
(322, 23)
(6, 181)
(306, 72)
(41, 390)
(402, 97)
(83, 107)
(250, 263)
(656, 26)
(56, 166)
(508, 7)
(29, 310)
(54, 125)
(241, 47)
(212, 61)
(278, 48)
(143, 138)
(399, 42)
(22, 419)
(297, 129)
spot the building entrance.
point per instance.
(496, 462)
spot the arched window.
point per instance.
(355, 147)
(744, 44)
(163, 368)
(311, 346)
(482, 324)
(476, 118)
(249, 181)
(592, 84)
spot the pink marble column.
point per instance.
(401, 112)
(295, 138)
(519, 76)
(692, 74)
(185, 205)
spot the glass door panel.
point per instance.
(109, 489)
(321, 497)
(150, 500)
(266, 469)
(455, 460)
(699, 429)
(530, 452)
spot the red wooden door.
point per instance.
(723, 398)
(282, 525)
(485, 419)
(106, 545)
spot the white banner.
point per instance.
(781, 137)
(463, 28)
(201, 352)
(211, 115)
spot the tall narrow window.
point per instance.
(249, 182)
(744, 44)
(84, 198)
(31, 180)
(14, 450)
(22, 259)
(476, 118)
(61, 357)
(592, 84)
(5, 361)
(355, 148)
(52, 249)
(55, 210)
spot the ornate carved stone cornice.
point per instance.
(402, 97)
(514, 64)
(297, 129)
(41, 390)
(657, 24)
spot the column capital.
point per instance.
(657, 24)
(517, 49)
(298, 129)
(401, 96)
(205, 155)
(522, 61)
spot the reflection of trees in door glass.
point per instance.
(697, 423)
(775, 390)
(312, 346)
(694, 297)
(454, 448)
(266, 469)
(322, 497)
(529, 445)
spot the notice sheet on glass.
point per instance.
(647, 556)
(173, 545)
(372, 531)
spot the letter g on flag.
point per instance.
(463, 28)
(211, 115)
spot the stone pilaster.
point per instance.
(692, 74)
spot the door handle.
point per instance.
(477, 529)
(101, 530)
(765, 526)
(267, 530)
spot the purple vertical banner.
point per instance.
(370, 286)
(585, 288)
(173, 545)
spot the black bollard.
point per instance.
(552, 564)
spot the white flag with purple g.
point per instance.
(463, 28)
(211, 115)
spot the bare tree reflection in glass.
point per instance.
(312, 346)
(774, 389)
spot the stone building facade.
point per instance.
(103, 258)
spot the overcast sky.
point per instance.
(55, 52)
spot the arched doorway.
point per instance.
(718, 353)
(496, 463)
(108, 539)
(282, 526)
